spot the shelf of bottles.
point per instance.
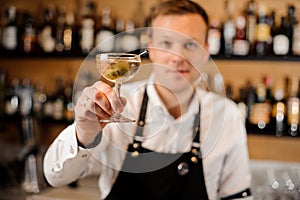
(251, 35)
(270, 107)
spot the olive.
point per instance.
(121, 68)
(111, 74)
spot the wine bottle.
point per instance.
(214, 36)
(130, 39)
(29, 35)
(260, 114)
(69, 35)
(46, 35)
(10, 30)
(119, 28)
(241, 46)
(279, 109)
(291, 21)
(104, 38)
(251, 23)
(87, 29)
(60, 28)
(229, 29)
(293, 108)
(281, 40)
(263, 32)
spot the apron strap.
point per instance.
(141, 122)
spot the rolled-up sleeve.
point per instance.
(65, 162)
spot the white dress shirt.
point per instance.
(222, 138)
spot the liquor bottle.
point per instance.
(241, 46)
(281, 40)
(10, 30)
(46, 35)
(29, 35)
(260, 114)
(119, 29)
(69, 104)
(39, 99)
(229, 29)
(263, 32)
(293, 104)
(12, 99)
(214, 36)
(251, 23)
(250, 100)
(291, 21)
(69, 35)
(87, 29)
(296, 38)
(2, 92)
(59, 100)
(104, 38)
(279, 109)
(130, 39)
(60, 28)
(242, 103)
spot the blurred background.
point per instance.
(255, 61)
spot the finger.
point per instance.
(96, 97)
(115, 102)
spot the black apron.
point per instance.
(177, 176)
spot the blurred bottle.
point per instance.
(279, 109)
(229, 29)
(293, 104)
(281, 41)
(69, 105)
(242, 103)
(251, 23)
(291, 21)
(12, 99)
(263, 32)
(241, 46)
(10, 30)
(214, 36)
(29, 35)
(104, 38)
(39, 99)
(2, 92)
(260, 115)
(59, 100)
(131, 38)
(87, 29)
(120, 27)
(69, 34)
(46, 35)
(60, 28)
(296, 37)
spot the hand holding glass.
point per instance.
(118, 68)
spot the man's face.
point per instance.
(178, 48)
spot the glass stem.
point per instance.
(118, 89)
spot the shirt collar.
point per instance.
(154, 97)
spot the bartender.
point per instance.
(187, 143)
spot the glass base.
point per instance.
(117, 118)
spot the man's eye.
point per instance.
(166, 43)
(191, 46)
